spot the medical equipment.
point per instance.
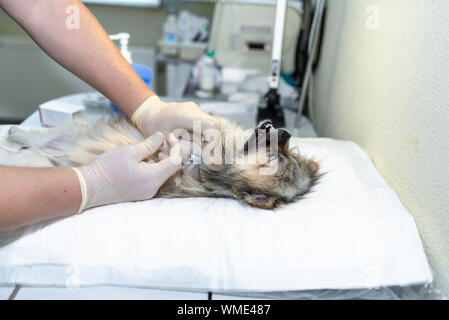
(193, 28)
(270, 107)
(243, 39)
(251, 37)
(184, 36)
(242, 34)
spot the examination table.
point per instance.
(351, 238)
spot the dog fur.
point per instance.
(79, 145)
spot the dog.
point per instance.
(262, 172)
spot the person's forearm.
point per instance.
(86, 51)
(29, 195)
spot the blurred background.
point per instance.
(28, 77)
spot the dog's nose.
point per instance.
(266, 124)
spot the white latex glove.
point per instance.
(122, 175)
(188, 148)
(155, 115)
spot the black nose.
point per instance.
(266, 124)
(283, 136)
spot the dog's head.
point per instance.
(272, 173)
(263, 172)
(258, 168)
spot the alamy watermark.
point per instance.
(72, 21)
(257, 148)
(372, 21)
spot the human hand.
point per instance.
(122, 175)
(155, 115)
(188, 149)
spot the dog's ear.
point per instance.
(310, 166)
(256, 199)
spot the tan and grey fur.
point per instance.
(80, 145)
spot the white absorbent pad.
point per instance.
(351, 232)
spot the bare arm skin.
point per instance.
(22, 191)
(87, 52)
(28, 195)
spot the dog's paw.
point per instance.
(18, 136)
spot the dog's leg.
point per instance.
(72, 146)
(23, 157)
(23, 147)
(32, 137)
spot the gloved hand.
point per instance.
(122, 175)
(188, 149)
(155, 115)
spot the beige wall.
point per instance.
(22, 91)
(387, 88)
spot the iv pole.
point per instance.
(270, 105)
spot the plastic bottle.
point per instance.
(207, 80)
(123, 37)
(144, 72)
(170, 28)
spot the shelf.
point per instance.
(127, 3)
